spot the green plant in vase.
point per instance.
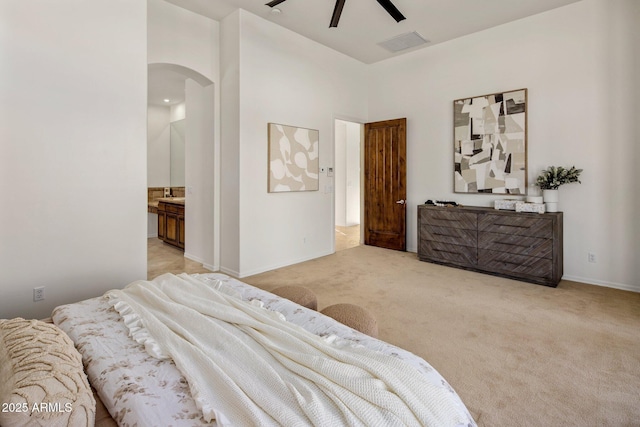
(551, 179)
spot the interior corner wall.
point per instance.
(178, 111)
(288, 79)
(580, 65)
(73, 151)
(230, 144)
(199, 173)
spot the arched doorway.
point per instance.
(176, 92)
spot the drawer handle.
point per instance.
(447, 252)
(513, 225)
(514, 244)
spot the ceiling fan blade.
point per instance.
(392, 10)
(274, 3)
(337, 11)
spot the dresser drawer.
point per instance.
(521, 246)
(521, 225)
(456, 236)
(447, 253)
(449, 217)
(515, 244)
(519, 265)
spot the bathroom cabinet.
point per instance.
(171, 222)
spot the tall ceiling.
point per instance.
(363, 24)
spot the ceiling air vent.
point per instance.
(403, 41)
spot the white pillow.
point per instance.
(42, 382)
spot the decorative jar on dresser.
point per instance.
(517, 245)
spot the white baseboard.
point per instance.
(210, 267)
(229, 272)
(193, 258)
(273, 266)
(614, 285)
(201, 261)
(151, 236)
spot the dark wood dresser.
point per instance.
(517, 245)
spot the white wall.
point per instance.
(72, 150)
(178, 112)
(200, 174)
(158, 146)
(284, 78)
(230, 144)
(580, 65)
(181, 37)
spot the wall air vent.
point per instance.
(403, 41)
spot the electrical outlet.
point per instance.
(38, 293)
(591, 257)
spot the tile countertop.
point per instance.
(173, 200)
(152, 207)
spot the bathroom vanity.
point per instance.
(171, 221)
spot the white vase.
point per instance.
(550, 200)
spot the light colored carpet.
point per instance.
(518, 354)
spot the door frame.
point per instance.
(361, 122)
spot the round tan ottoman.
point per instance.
(354, 316)
(298, 294)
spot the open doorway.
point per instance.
(347, 184)
(181, 105)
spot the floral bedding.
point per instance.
(139, 389)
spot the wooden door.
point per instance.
(385, 191)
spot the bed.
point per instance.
(129, 356)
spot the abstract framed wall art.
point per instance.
(490, 143)
(293, 158)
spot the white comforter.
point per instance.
(245, 365)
